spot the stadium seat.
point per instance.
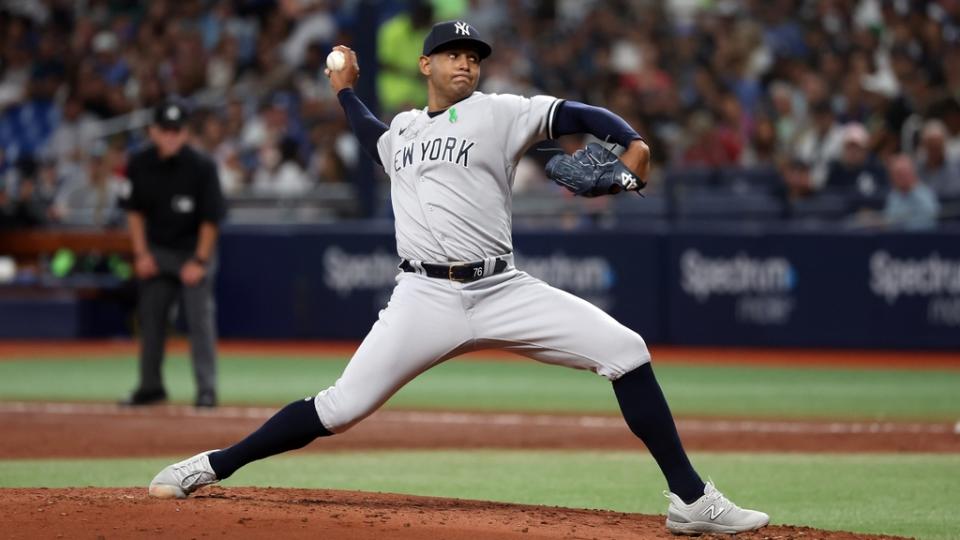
(690, 178)
(825, 206)
(724, 204)
(950, 210)
(751, 179)
(628, 207)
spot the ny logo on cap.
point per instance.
(462, 28)
(173, 113)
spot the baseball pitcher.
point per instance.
(451, 167)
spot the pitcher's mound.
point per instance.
(257, 513)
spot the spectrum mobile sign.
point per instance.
(932, 278)
(761, 287)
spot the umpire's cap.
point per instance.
(450, 34)
(171, 114)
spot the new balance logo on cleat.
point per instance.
(713, 511)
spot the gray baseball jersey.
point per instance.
(451, 177)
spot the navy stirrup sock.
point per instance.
(648, 416)
(294, 426)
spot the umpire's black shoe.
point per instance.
(206, 400)
(144, 397)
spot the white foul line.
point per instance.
(798, 427)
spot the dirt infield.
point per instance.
(246, 513)
(35, 430)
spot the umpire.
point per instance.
(174, 206)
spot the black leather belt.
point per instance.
(463, 272)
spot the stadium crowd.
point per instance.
(851, 101)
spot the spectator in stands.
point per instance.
(189, 68)
(174, 207)
(852, 100)
(819, 142)
(787, 118)
(233, 124)
(325, 163)
(313, 23)
(234, 179)
(268, 74)
(223, 64)
(280, 173)
(950, 112)
(267, 128)
(933, 167)
(222, 21)
(77, 129)
(117, 155)
(6, 210)
(798, 180)
(763, 148)
(734, 128)
(911, 204)
(710, 145)
(308, 78)
(399, 44)
(17, 65)
(48, 71)
(49, 183)
(211, 137)
(31, 202)
(107, 63)
(5, 170)
(90, 199)
(887, 111)
(664, 69)
(94, 91)
(857, 171)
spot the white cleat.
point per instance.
(712, 513)
(179, 480)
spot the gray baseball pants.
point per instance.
(157, 296)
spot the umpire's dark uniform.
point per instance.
(170, 201)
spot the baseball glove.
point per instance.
(593, 171)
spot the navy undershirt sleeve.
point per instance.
(367, 127)
(575, 117)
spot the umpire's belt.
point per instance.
(463, 272)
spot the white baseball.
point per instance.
(336, 60)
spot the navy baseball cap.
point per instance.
(449, 34)
(170, 114)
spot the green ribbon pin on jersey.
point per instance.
(453, 115)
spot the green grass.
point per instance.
(894, 494)
(697, 389)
